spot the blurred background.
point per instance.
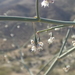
(15, 36)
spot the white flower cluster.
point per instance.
(56, 29)
(45, 3)
(73, 43)
(73, 36)
(51, 39)
(67, 68)
(38, 47)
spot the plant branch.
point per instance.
(51, 28)
(18, 18)
(32, 19)
(47, 64)
(51, 67)
(58, 22)
(67, 52)
(37, 9)
(22, 61)
(64, 42)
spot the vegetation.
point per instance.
(15, 46)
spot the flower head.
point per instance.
(50, 40)
(33, 48)
(56, 29)
(6, 26)
(13, 45)
(73, 42)
(4, 39)
(67, 68)
(45, 3)
(5, 56)
(11, 34)
(50, 34)
(40, 44)
(32, 42)
(73, 36)
(18, 26)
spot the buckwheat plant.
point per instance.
(37, 44)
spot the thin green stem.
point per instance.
(55, 61)
(61, 56)
(64, 42)
(51, 67)
(67, 52)
(58, 22)
(31, 19)
(51, 28)
(27, 68)
(18, 18)
(37, 9)
(47, 64)
(22, 61)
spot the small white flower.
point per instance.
(67, 68)
(73, 42)
(73, 36)
(13, 45)
(5, 14)
(22, 54)
(11, 35)
(18, 26)
(40, 44)
(56, 29)
(5, 56)
(6, 26)
(33, 48)
(38, 47)
(50, 40)
(32, 42)
(4, 39)
(45, 3)
(50, 34)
